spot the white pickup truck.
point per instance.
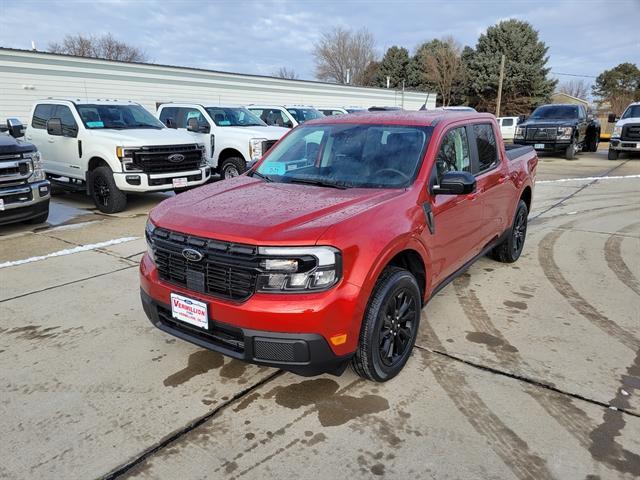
(233, 136)
(109, 148)
(626, 133)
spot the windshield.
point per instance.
(119, 117)
(632, 112)
(301, 115)
(347, 155)
(555, 112)
(234, 117)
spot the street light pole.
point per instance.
(500, 87)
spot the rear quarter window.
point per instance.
(486, 145)
(41, 114)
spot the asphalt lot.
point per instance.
(525, 371)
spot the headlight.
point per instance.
(36, 161)
(617, 131)
(565, 133)
(297, 269)
(519, 132)
(255, 148)
(203, 154)
(148, 235)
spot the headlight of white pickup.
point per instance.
(255, 148)
(36, 160)
(565, 133)
(125, 155)
(617, 132)
(519, 132)
(298, 269)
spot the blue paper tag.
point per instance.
(95, 124)
(224, 123)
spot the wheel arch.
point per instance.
(526, 196)
(229, 152)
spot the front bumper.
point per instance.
(157, 182)
(624, 145)
(544, 146)
(24, 202)
(291, 332)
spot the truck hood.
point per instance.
(627, 121)
(548, 123)
(143, 137)
(10, 145)
(269, 133)
(251, 211)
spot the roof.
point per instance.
(92, 101)
(278, 106)
(424, 118)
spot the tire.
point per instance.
(104, 192)
(571, 150)
(178, 191)
(592, 146)
(396, 289)
(232, 167)
(613, 154)
(511, 247)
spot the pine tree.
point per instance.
(618, 86)
(394, 65)
(526, 83)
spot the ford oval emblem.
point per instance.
(175, 158)
(192, 255)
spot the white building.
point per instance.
(28, 76)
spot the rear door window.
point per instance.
(69, 125)
(486, 145)
(453, 154)
(507, 122)
(41, 114)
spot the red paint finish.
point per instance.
(369, 227)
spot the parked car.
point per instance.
(24, 190)
(110, 148)
(508, 126)
(355, 109)
(284, 116)
(562, 128)
(325, 252)
(453, 108)
(328, 111)
(626, 133)
(232, 136)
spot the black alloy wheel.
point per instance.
(397, 327)
(519, 232)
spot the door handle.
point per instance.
(51, 140)
(501, 180)
(28, 138)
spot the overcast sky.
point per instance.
(584, 36)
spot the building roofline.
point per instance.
(196, 69)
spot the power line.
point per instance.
(573, 75)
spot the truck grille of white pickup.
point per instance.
(227, 270)
(630, 132)
(166, 158)
(542, 134)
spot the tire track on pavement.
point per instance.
(615, 261)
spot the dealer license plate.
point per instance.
(539, 146)
(190, 311)
(180, 182)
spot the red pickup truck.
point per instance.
(324, 253)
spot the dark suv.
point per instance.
(563, 128)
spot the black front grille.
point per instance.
(541, 134)
(157, 159)
(630, 132)
(21, 197)
(267, 144)
(227, 270)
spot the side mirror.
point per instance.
(612, 118)
(455, 183)
(54, 127)
(170, 122)
(15, 128)
(193, 125)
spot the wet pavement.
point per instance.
(524, 371)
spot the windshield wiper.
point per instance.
(256, 173)
(143, 125)
(319, 183)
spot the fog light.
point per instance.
(133, 179)
(43, 190)
(339, 339)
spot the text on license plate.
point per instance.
(539, 146)
(179, 182)
(189, 311)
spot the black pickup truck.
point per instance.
(24, 190)
(565, 128)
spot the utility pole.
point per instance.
(403, 94)
(500, 87)
(388, 80)
(348, 75)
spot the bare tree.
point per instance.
(288, 73)
(342, 56)
(575, 88)
(443, 67)
(105, 47)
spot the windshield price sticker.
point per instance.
(189, 311)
